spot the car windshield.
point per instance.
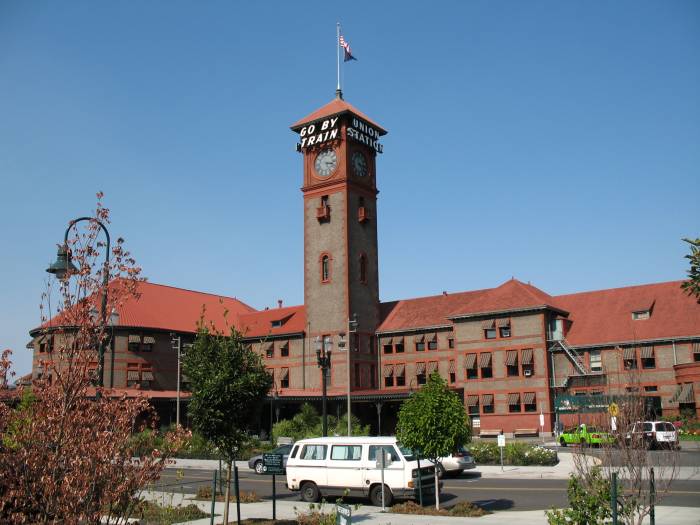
(648, 427)
(284, 449)
(592, 429)
(407, 452)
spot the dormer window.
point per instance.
(277, 323)
(641, 315)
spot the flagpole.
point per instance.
(338, 92)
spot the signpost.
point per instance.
(501, 446)
(343, 514)
(542, 426)
(383, 461)
(273, 464)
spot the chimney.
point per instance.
(279, 303)
(444, 292)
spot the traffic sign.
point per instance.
(343, 514)
(613, 410)
(501, 440)
(273, 464)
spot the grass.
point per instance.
(150, 513)
(463, 509)
(204, 493)
(689, 437)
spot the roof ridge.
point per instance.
(449, 294)
(620, 288)
(199, 293)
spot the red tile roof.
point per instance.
(335, 107)
(605, 316)
(511, 295)
(259, 324)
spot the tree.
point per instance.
(692, 285)
(628, 456)
(65, 452)
(228, 382)
(433, 422)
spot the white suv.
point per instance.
(653, 434)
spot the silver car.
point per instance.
(459, 461)
(256, 462)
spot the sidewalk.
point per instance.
(369, 515)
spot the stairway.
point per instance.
(574, 356)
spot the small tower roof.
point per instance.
(336, 106)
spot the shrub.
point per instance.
(515, 453)
(463, 509)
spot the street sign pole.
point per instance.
(274, 499)
(501, 446)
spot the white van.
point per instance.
(340, 466)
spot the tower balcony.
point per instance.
(362, 214)
(323, 213)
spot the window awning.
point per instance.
(696, 348)
(149, 340)
(527, 356)
(502, 322)
(453, 367)
(269, 346)
(387, 341)
(419, 338)
(487, 323)
(511, 358)
(431, 338)
(420, 368)
(485, 360)
(134, 338)
(388, 370)
(487, 399)
(687, 394)
(432, 366)
(470, 361)
(398, 340)
(133, 375)
(146, 375)
(529, 398)
(284, 344)
(514, 399)
(284, 373)
(629, 353)
(472, 400)
(399, 370)
(647, 352)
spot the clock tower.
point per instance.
(339, 145)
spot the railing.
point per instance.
(573, 355)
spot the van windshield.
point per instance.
(407, 452)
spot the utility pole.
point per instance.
(177, 345)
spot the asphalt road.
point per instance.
(492, 494)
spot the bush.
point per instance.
(517, 454)
(307, 423)
(150, 513)
(463, 509)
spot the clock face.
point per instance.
(326, 162)
(359, 164)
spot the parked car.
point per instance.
(653, 434)
(459, 461)
(585, 435)
(256, 462)
(338, 466)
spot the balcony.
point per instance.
(362, 214)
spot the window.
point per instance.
(490, 333)
(450, 342)
(284, 349)
(514, 402)
(648, 358)
(373, 449)
(651, 388)
(148, 343)
(696, 352)
(373, 376)
(363, 268)
(505, 331)
(284, 378)
(134, 342)
(323, 212)
(512, 368)
(420, 347)
(400, 375)
(139, 375)
(388, 376)
(270, 350)
(325, 269)
(46, 344)
(485, 365)
(596, 361)
(420, 373)
(470, 366)
(527, 361)
(641, 315)
(629, 358)
(388, 348)
(358, 375)
(487, 403)
(346, 452)
(313, 452)
(453, 371)
(398, 346)
(432, 344)
(276, 323)
(530, 402)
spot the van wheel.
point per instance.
(375, 496)
(309, 492)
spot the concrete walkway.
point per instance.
(369, 515)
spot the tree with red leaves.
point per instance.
(67, 456)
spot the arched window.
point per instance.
(325, 268)
(363, 268)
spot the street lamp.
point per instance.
(64, 267)
(323, 358)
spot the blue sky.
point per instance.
(557, 142)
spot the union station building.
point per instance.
(511, 352)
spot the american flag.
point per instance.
(347, 54)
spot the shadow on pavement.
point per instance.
(494, 504)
